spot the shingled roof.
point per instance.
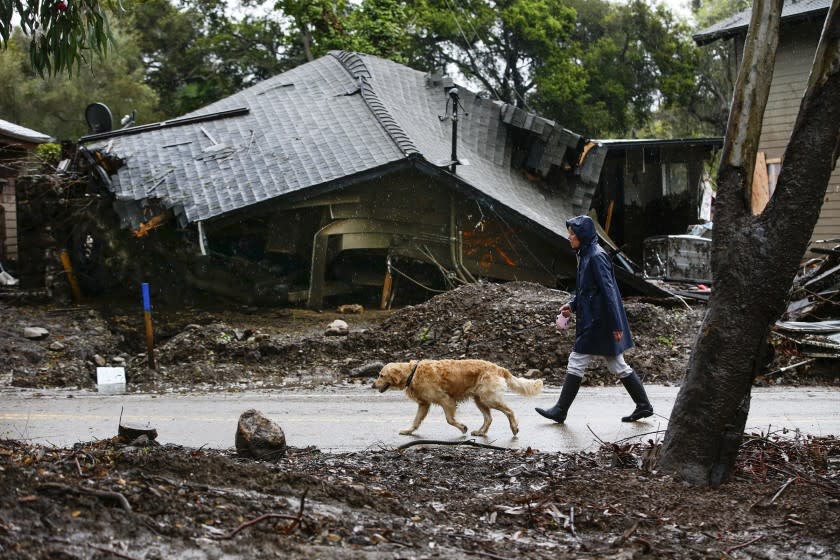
(330, 122)
(793, 10)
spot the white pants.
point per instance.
(616, 364)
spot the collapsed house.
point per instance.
(352, 173)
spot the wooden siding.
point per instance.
(793, 65)
(7, 201)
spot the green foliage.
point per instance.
(48, 153)
(709, 12)
(595, 66)
(705, 109)
(197, 53)
(314, 27)
(636, 58)
(511, 48)
(666, 340)
(61, 33)
(56, 105)
(379, 27)
(599, 67)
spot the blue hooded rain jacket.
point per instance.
(597, 302)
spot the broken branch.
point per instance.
(470, 442)
(742, 545)
(115, 496)
(768, 502)
(296, 519)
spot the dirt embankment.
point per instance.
(215, 348)
(511, 324)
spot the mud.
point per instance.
(112, 499)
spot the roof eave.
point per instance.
(706, 38)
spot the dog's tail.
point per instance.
(527, 387)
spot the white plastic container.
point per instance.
(110, 380)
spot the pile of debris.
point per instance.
(809, 332)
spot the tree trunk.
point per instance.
(754, 258)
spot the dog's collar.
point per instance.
(410, 377)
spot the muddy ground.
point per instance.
(108, 499)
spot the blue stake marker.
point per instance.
(147, 317)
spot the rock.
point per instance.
(351, 309)
(241, 334)
(258, 437)
(371, 369)
(533, 374)
(35, 333)
(99, 360)
(56, 346)
(132, 432)
(337, 328)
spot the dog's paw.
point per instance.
(462, 428)
(479, 433)
(406, 432)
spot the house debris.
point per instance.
(340, 179)
(810, 328)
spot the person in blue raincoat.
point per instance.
(601, 327)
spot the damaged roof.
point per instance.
(330, 122)
(792, 10)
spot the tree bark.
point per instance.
(754, 258)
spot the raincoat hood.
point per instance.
(584, 228)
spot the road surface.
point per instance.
(356, 418)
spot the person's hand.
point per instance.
(566, 310)
(618, 335)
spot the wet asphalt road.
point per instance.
(357, 418)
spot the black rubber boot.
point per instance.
(567, 394)
(637, 391)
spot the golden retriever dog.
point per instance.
(449, 382)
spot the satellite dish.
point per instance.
(98, 117)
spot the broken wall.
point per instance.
(652, 190)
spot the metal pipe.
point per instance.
(453, 239)
(453, 93)
(461, 257)
(202, 241)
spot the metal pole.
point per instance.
(453, 93)
(147, 316)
